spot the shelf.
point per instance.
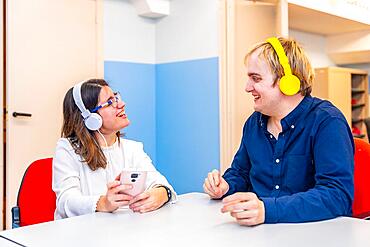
(357, 91)
(356, 121)
(358, 136)
(357, 106)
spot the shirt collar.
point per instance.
(290, 120)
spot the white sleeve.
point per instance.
(154, 178)
(67, 186)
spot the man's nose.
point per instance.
(248, 86)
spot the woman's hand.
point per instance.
(149, 200)
(114, 198)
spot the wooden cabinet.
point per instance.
(347, 89)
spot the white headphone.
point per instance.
(93, 121)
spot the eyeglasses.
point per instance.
(111, 102)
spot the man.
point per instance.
(295, 161)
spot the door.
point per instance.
(51, 45)
(244, 23)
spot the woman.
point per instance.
(91, 155)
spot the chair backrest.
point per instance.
(36, 199)
(367, 124)
(361, 202)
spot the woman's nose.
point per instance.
(121, 104)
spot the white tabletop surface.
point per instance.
(6, 243)
(193, 221)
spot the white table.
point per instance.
(7, 243)
(193, 221)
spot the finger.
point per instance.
(241, 206)
(224, 186)
(229, 208)
(118, 178)
(113, 184)
(211, 181)
(237, 206)
(248, 222)
(140, 197)
(240, 196)
(210, 193)
(216, 177)
(120, 203)
(244, 214)
(209, 187)
(122, 197)
(112, 198)
(138, 203)
(122, 188)
(149, 209)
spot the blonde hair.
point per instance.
(298, 61)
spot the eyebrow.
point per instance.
(251, 74)
(110, 98)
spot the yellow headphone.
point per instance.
(289, 83)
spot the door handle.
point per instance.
(21, 114)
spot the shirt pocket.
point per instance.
(299, 173)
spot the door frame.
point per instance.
(228, 70)
(2, 106)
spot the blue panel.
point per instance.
(136, 83)
(187, 122)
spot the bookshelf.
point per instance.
(347, 89)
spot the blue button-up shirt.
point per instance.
(304, 175)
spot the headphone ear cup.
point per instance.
(289, 84)
(93, 122)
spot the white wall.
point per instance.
(189, 32)
(315, 47)
(127, 36)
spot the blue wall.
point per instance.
(174, 111)
(136, 83)
(187, 120)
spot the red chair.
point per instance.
(361, 202)
(36, 199)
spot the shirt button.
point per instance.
(271, 136)
(277, 161)
(277, 187)
(292, 126)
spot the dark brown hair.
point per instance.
(82, 139)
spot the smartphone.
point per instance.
(136, 179)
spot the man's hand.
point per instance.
(215, 185)
(245, 207)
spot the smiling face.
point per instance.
(114, 117)
(260, 83)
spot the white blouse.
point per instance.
(78, 188)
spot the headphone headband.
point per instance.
(283, 59)
(289, 83)
(93, 121)
(78, 100)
